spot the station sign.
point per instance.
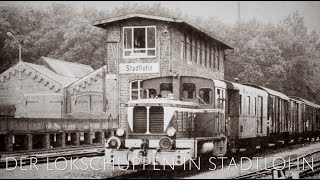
(128, 68)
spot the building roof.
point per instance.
(67, 69)
(103, 22)
(90, 78)
(62, 80)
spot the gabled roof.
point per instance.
(62, 80)
(39, 73)
(103, 22)
(67, 69)
(89, 79)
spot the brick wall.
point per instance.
(163, 57)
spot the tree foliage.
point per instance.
(283, 56)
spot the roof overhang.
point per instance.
(102, 23)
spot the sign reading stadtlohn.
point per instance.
(125, 68)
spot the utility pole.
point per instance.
(239, 17)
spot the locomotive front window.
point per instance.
(188, 90)
(150, 93)
(165, 89)
(205, 96)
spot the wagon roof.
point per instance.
(306, 101)
(101, 23)
(270, 91)
(238, 86)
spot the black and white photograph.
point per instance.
(159, 89)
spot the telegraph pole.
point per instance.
(239, 17)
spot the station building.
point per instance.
(139, 46)
(142, 46)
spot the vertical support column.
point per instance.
(75, 138)
(61, 140)
(88, 138)
(46, 140)
(99, 137)
(28, 141)
(9, 142)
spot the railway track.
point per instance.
(43, 156)
(182, 173)
(286, 167)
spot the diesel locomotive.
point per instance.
(180, 118)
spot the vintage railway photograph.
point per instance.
(159, 89)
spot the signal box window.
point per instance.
(139, 41)
(150, 93)
(135, 90)
(205, 96)
(165, 89)
(188, 90)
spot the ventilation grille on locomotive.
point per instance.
(140, 119)
(155, 119)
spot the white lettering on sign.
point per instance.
(125, 68)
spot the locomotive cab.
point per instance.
(174, 121)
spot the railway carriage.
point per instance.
(295, 118)
(309, 120)
(178, 119)
(247, 117)
(278, 116)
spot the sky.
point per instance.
(226, 11)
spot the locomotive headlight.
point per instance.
(113, 142)
(120, 132)
(165, 143)
(171, 131)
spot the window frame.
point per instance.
(195, 91)
(165, 83)
(211, 98)
(148, 93)
(139, 55)
(222, 92)
(139, 89)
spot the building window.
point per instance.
(135, 89)
(139, 41)
(188, 91)
(165, 89)
(205, 95)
